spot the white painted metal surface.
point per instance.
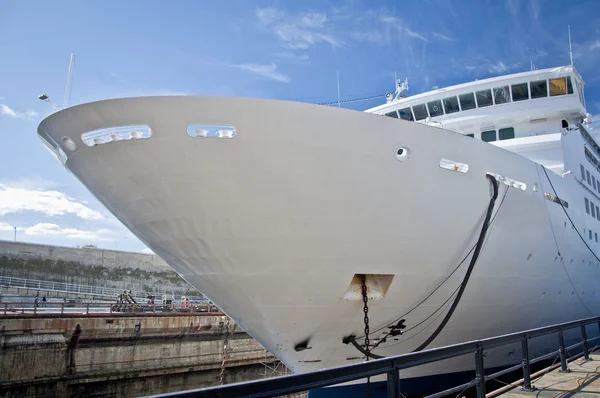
(274, 223)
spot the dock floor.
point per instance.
(583, 380)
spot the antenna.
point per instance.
(68, 88)
(338, 86)
(531, 62)
(570, 47)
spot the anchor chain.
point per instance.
(366, 311)
(225, 349)
(365, 298)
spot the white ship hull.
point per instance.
(273, 224)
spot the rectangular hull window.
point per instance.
(520, 92)
(484, 98)
(488, 136)
(587, 206)
(467, 101)
(507, 133)
(558, 86)
(406, 114)
(451, 105)
(539, 89)
(420, 112)
(569, 85)
(582, 172)
(435, 108)
(501, 95)
(392, 114)
(587, 173)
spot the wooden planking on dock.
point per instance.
(583, 380)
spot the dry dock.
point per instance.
(124, 355)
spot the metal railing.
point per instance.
(77, 289)
(391, 366)
(49, 308)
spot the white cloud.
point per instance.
(47, 229)
(291, 56)
(501, 67)
(6, 111)
(51, 203)
(416, 35)
(443, 37)
(7, 227)
(370, 37)
(396, 23)
(268, 71)
(297, 31)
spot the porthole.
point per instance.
(402, 154)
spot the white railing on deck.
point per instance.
(80, 289)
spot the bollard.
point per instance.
(526, 368)
(561, 351)
(586, 353)
(393, 384)
(480, 372)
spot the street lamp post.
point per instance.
(45, 98)
(15, 233)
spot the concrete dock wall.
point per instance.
(90, 266)
(123, 356)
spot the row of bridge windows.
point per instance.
(480, 99)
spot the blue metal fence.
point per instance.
(391, 366)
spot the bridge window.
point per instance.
(451, 105)
(488, 136)
(539, 89)
(501, 95)
(507, 133)
(569, 85)
(484, 98)
(519, 92)
(435, 108)
(470, 135)
(590, 233)
(597, 213)
(406, 114)
(558, 86)
(392, 114)
(467, 101)
(587, 206)
(593, 209)
(582, 172)
(596, 236)
(420, 111)
(594, 182)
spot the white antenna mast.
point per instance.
(338, 86)
(68, 88)
(570, 47)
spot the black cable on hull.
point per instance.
(479, 245)
(463, 286)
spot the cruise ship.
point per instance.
(334, 236)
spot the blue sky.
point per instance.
(276, 49)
